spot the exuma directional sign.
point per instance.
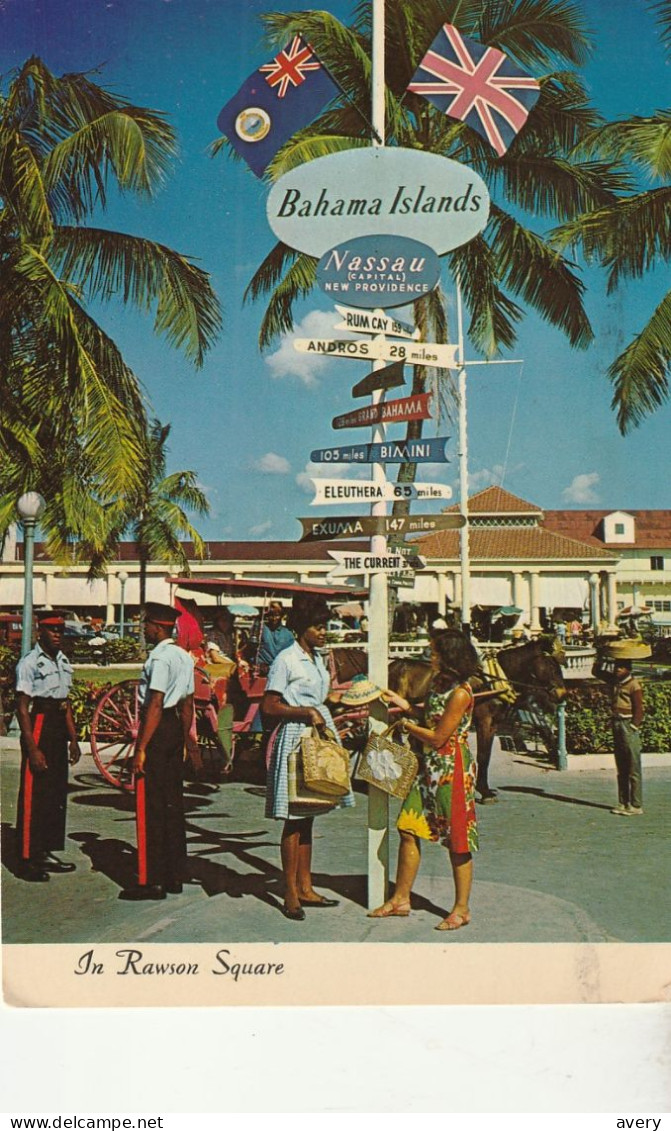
(387, 412)
(390, 451)
(366, 526)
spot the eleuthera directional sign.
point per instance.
(391, 377)
(364, 526)
(348, 562)
(414, 353)
(335, 492)
(387, 412)
(374, 322)
(389, 451)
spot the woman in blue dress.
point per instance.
(296, 694)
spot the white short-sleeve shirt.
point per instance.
(301, 681)
(169, 669)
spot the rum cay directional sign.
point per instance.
(387, 412)
(413, 353)
(374, 322)
(366, 526)
(390, 451)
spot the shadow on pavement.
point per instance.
(10, 856)
(553, 796)
(113, 858)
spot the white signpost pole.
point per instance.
(378, 632)
(464, 546)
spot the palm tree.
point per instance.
(156, 517)
(72, 413)
(629, 237)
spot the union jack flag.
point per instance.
(478, 85)
(278, 99)
(290, 66)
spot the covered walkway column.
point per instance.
(611, 587)
(110, 617)
(443, 591)
(594, 600)
(534, 595)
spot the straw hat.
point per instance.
(362, 691)
(632, 649)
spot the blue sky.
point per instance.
(246, 423)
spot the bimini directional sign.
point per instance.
(332, 492)
(365, 526)
(390, 451)
(412, 353)
(387, 412)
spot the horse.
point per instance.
(536, 678)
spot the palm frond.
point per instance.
(297, 282)
(640, 375)
(646, 142)
(493, 315)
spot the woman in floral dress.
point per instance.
(441, 803)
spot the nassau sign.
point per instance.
(391, 451)
(387, 412)
(332, 492)
(370, 271)
(378, 191)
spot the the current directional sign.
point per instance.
(352, 562)
(389, 451)
(379, 349)
(387, 412)
(365, 526)
(336, 492)
(391, 377)
(374, 322)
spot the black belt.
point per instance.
(44, 704)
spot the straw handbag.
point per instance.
(303, 802)
(388, 765)
(325, 764)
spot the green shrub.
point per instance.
(588, 718)
(84, 697)
(122, 651)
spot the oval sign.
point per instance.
(371, 271)
(378, 191)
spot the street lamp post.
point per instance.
(123, 578)
(30, 507)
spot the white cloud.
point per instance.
(581, 488)
(330, 471)
(287, 362)
(272, 464)
(262, 528)
(485, 477)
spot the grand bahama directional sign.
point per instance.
(386, 412)
(390, 451)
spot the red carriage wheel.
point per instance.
(114, 729)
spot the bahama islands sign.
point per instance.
(369, 192)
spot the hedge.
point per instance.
(588, 718)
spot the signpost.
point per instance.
(352, 562)
(391, 377)
(362, 526)
(334, 492)
(389, 451)
(417, 353)
(386, 412)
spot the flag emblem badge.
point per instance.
(276, 101)
(477, 84)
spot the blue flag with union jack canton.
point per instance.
(479, 85)
(273, 103)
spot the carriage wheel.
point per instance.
(114, 729)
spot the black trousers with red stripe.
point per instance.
(159, 800)
(40, 820)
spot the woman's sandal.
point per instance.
(389, 910)
(454, 921)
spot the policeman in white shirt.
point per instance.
(166, 698)
(48, 742)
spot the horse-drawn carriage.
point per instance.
(227, 696)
